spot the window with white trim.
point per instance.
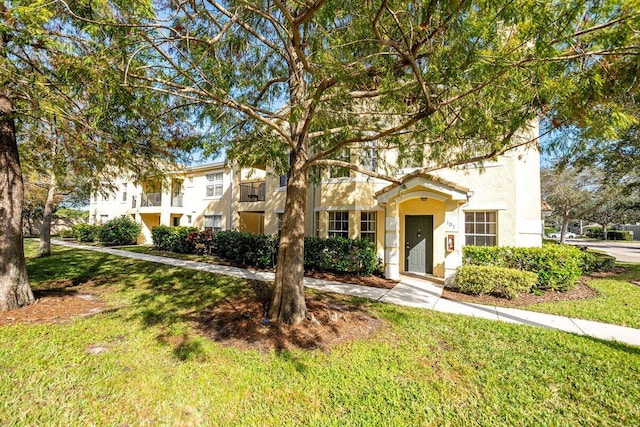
(339, 224)
(368, 226)
(124, 191)
(214, 184)
(104, 219)
(213, 222)
(481, 228)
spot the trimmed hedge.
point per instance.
(85, 232)
(334, 254)
(558, 266)
(340, 255)
(619, 235)
(173, 239)
(484, 280)
(120, 231)
(595, 262)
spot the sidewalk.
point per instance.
(412, 292)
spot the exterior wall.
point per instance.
(252, 199)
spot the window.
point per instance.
(213, 222)
(339, 224)
(214, 184)
(284, 179)
(280, 221)
(124, 192)
(368, 226)
(104, 219)
(317, 225)
(338, 172)
(480, 228)
(188, 219)
(95, 196)
(369, 157)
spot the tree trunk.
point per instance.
(288, 304)
(563, 230)
(604, 231)
(44, 248)
(14, 284)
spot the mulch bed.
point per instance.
(582, 291)
(241, 323)
(54, 306)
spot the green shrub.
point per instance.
(558, 266)
(85, 232)
(340, 255)
(173, 239)
(67, 232)
(120, 231)
(594, 232)
(619, 235)
(159, 236)
(597, 263)
(484, 280)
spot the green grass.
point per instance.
(426, 368)
(618, 301)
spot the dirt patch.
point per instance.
(241, 323)
(582, 291)
(54, 306)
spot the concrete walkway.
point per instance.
(411, 291)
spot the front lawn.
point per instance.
(142, 363)
(618, 301)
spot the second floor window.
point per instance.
(214, 184)
(339, 172)
(124, 192)
(213, 222)
(339, 224)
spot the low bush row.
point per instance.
(259, 250)
(596, 233)
(173, 239)
(484, 280)
(558, 266)
(118, 231)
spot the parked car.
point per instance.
(556, 235)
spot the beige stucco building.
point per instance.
(418, 226)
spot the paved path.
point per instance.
(411, 291)
(623, 251)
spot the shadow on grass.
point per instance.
(187, 305)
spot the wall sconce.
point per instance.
(424, 199)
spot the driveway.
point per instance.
(623, 251)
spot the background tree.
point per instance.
(576, 194)
(73, 116)
(294, 84)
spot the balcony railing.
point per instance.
(177, 200)
(253, 192)
(151, 199)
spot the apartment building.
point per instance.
(419, 226)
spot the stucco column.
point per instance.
(392, 243)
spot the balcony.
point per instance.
(151, 199)
(253, 192)
(177, 200)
